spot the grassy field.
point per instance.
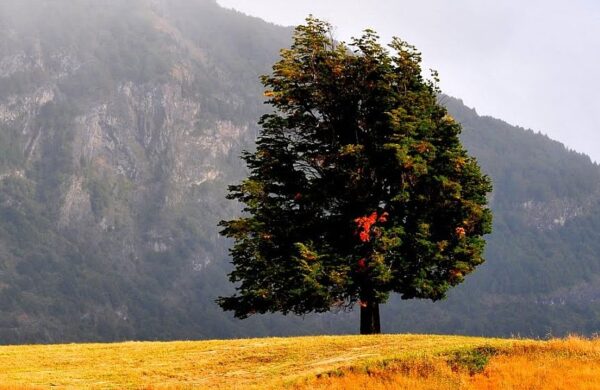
(339, 362)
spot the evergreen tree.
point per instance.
(359, 185)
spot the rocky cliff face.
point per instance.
(121, 124)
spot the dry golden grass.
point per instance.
(421, 374)
(572, 363)
(337, 362)
(243, 364)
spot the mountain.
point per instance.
(121, 123)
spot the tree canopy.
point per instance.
(359, 185)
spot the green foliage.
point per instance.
(536, 280)
(472, 360)
(359, 185)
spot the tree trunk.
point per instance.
(369, 318)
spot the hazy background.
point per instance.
(533, 63)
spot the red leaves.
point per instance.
(364, 236)
(297, 197)
(460, 232)
(364, 230)
(364, 226)
(365, 223)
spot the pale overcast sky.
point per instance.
(531, 63)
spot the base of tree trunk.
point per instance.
(369, 319)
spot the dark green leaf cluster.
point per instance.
(359, 185)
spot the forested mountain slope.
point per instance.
(121, 124)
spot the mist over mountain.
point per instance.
(121, 125)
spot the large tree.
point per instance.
(359, 185)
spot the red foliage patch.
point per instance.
(365, 223)
(383, 217)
